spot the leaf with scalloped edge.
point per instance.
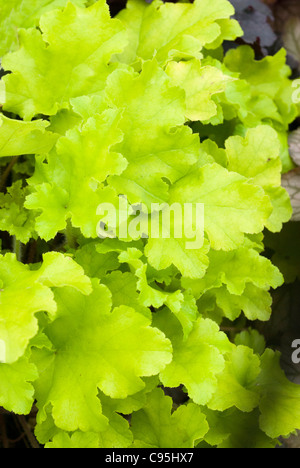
(236, 269)
(236, 384)
(174, 32)
(182, 304)
(156, 144)
(232, 205)
(192, 263)
(197, 359)
(116, 435)
(280, 413)
(95, 264)
(25, 292)
(234, 429)
(17, 14)
(73, 174)
(16, 390)
(69, 64)
(88, 339)
(14, 217)
(83, 440)
(182, 427)
(268, 77)
(123, 287)
(200, 84)
(19, 138)
(262, 146)
(255, 302)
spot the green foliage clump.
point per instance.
(145, 105)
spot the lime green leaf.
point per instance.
(18, 138)
(254, 302)
(197, 360)
(235, 269)
(25, 292)
(15, 218)
(118, 246)
(265, 76)
(85, 152)
(88, 338)
(118, 434)
(83, 440)
(51, 200)
(182, 305)
(252, 339)
(200, 83)
(230, 31)
(96, 265)
(132, 402)
(181, 428)
(24, 14)
(123, 287)
(232, 206)
(251, 109)
(268, 79)
(213, 151)
(58, 271)
(262, 146)
(19, 305)
(236, 384)
(173, 31)
(45, 429)
(280, 413)
(282, 208)
(16, 390)
(149, 296)
(192, 263)
(69, 63)
(160, 121)
(234, 429)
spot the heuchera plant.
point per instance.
(91, 330)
